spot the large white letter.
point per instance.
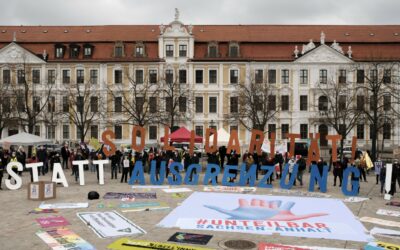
(81, 173)
(57, 169)
(18, 180)
(34, 167)
(388, 181)
(101, 170)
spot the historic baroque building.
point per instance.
(210, 59)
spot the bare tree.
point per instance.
(254, 104)
(336, 106)
(86, 106)
(380, 82)
(6, 115)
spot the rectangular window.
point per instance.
(342, 76)
(323, 76)
(303, 131)
(285, 103)
(360, 131)
(80, 76)
(169, 50)
(271, 129)
(272, 76)
(119, 51)
(360, 76)
(153, 104)
(387, 132)
(66, 132)
(20, 104)
(182, 76)
(94, 131)
(199, 130)
(36, 104)
(387, 76)
(233, 51)
(74, 52)
(66, 76)
(51, 76)
(199, 104)
(199, 76)
(6, 76)
(259, 76)
(79, 132)
(360, 102)
(303, 103)
(271, 102)
(37, 130)
(285, 76)
(21, 76)
(373, 76)
(212, 51)
(342, 130)
(51, 104)
(386, 103)
(234, 76)
(139, 104)
(139, 51)
(51, 132)
(285, 130)
(118, 104)
(212, 76)
(94, 104)
(169, 76)
(79, 104)
(94, 76)
(87, 51)
(303, 76)
(168, 104)
(36, 76)
(258, 104)
(212, 104)
(182, 104)
(65, 104)
(182, 50)
(342, 102)
(6, 104)
(59, 52)
(118, 76)
(139, 79)
(234, 104)
(152, 132)
(118, 132)
(153, 76)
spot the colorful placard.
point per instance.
(133, 244)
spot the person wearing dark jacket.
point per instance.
(65, 156)
(2, 165)
(337, 172)
(395, 170)
(213, 159)
(382, 177)
(301, 162)
(194, 160)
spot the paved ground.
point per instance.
(18, 228)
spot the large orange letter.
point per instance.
(231, 145)
(272, 144)
(256, 142)
(167, 147)
(334, 139)
(142, 135)
(353, 148)
(292, 138)
(313, 151)
(191, 145)
(107, 142)
(214, 147)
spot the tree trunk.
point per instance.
(82, 135)
(341, 150)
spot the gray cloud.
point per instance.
(96, 12)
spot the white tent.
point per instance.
(222, 138)
(24, 139)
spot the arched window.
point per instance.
(234, 49)
(322, 103)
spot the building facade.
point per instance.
(208, 59)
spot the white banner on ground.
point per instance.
(355, 199)
(177, 190)
(261, 214)
(377, 231)
(150, 186)
(380, 221)
(388, 212)
(63, 205)
(229, 189)
(109, 224)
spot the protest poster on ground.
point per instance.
(188, 238)
(393, 203)
(64, 239)
(112, 195)
(227, 189)
(133, 244)
(355, 199)
(388, 212)
(377, 231)
(272, 246)
(381, 245)
(380, 221)
(300, 193)
(63, 205)
(109, 224)
(143, 206)
(177, 190)
(150, 187)
(43, 211)
(52, 221)
(260, 214)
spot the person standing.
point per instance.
(337, 172)
(21, 156)
(13, 158)
(114, 166)
(395, 170)
(291, 164)
(382, 177)
(378, 166)
(42, 157)
(126, 164)
(2, 166)
(302, 167)
(65, 156)
(33, 160)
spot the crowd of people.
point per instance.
(122, 163)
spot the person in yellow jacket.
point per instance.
(13, 158)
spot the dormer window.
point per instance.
(233, 49)
(213, 50)
(59, 51)
(74, 51)
(87, 50)
(139, 50)
(119, 49)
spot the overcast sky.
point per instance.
(98, 12)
